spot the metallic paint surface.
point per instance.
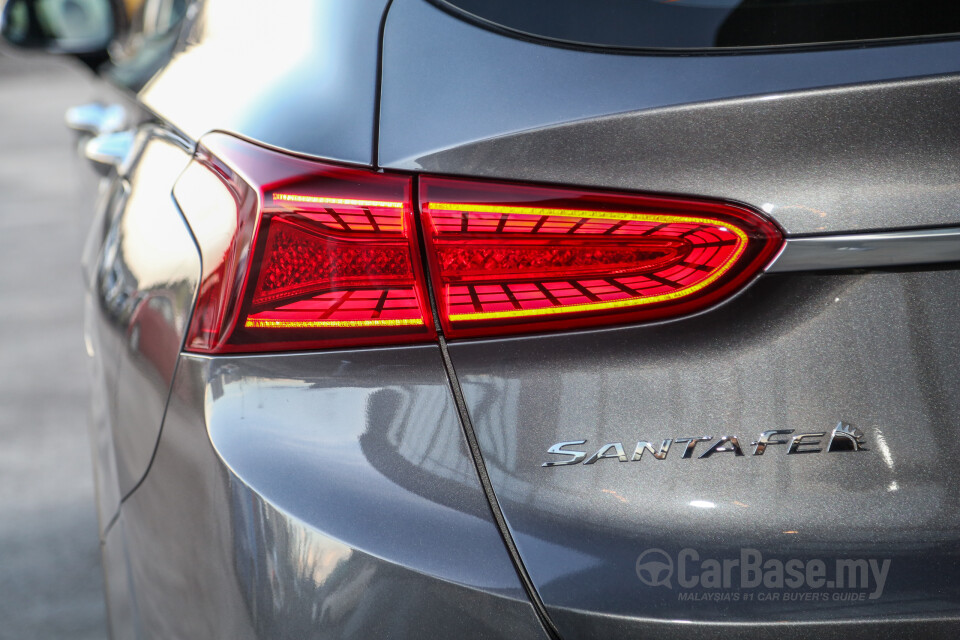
(823, 141)
(299, 75)
(121, 611)
(146, 276)
(629, 629)
(103, 348)
(327, 495)
(876, 350)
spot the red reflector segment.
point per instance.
(363, 284)
(309, 255)
(516, 258)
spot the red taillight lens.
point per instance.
(299, 254)
(518, 258)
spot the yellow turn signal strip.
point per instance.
(577, 213)
(256, 323)
(293, 197)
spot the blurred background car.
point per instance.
(525, 319)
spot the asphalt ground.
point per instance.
(51, 584)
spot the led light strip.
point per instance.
(609, 215)
(293, 197)
(255, 323)
(598, 306)
(575, 213)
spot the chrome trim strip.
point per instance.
(866, 250)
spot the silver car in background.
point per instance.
(522, 319)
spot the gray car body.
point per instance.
(400, 491)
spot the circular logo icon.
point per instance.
(655, 568)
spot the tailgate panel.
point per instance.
(877, 351)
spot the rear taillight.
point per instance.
(299, 254)
(518, 258)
